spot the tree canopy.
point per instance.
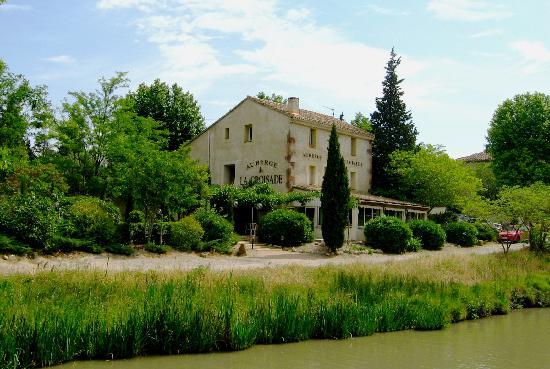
(430, 177)
(519, 140)
(392, 126)
(335, 195)
(362, 121)
(177, 111)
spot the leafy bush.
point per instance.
(430, 233)
(186, 234)
(390, 234)
(68, 244)
(485, 232)
(461, 233)
(93, 218)
(218, 231)
(136, 216)
(285, 227)
(444, 218)
(31, 219)
(9, 245)
(157, 249)
(414, 245)
(120, 249)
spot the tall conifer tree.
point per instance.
(335, 195)
(392, 126)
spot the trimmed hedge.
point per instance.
(430, 233)
(485, 232)
(461, 233)
(390, 234)
(285, 227)
(186, 234)
(218, 231)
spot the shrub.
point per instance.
(414, 245)
(389, 234)
(430, 233)
(186, 234)
(444, 218)
(9, 245)
(93, 218)
(136, 216)
(120, 249)
(218, 231)
(485, 232)
(68, 244)
(461, 233)
(285, 227)
(31, 219)
(157, 249)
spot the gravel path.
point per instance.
(261, 256)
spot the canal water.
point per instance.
(519, 340)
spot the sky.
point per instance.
(460, 58)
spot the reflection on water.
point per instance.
(518, 340)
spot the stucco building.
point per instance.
(286, 146)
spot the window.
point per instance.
(312, 180)
(227, 133)
(248, 133)
(353, 146)
(229, 174)
(394, 213)
(366, 214)
(312, 138)
(353, 180)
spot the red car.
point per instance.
(512, 234)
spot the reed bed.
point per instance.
(51, 318)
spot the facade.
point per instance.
(286, 146)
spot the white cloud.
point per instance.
(535, 55)
(21, 7)
(61, 59)
(486, 33)
(467, 10)
(384, 10)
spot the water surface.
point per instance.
(519, 340)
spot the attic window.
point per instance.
(312, 138)
(248, 133)
(227, 133)
(353, 146)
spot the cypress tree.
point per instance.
(392, 127)
(335, 195)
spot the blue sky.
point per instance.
(461, 58)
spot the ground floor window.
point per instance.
(413, 215)
(394, 213)
(309, 211)
(366, 214)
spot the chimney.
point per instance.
(293, 105)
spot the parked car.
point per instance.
(513, 234)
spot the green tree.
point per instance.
(177, 111)
(484, 171)
(430, 177)
(274, 97)
(24, 110)
(392, 126)
(335, 195)
(361, 121)
(519, 140)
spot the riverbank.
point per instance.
(61, 316)
(262, 256)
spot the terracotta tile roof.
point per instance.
(477, 157)
(317, 119)
(368, 199)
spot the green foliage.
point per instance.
(390, 234)
(136, 216)
(413, 245)
(279, 99)
(68, 244)
(519, 140)
(539, 239)
(218, 231)
(93, 218)
(461, 233)
(186, 234)
(361, 121)
(430, 233)
(392, 126)
(484, 171)
(40, 179)
(285, 227)
(444, 218)
(335, 195)
(430, 177)
(485, 232)
(177, 111)
(120, 249)
(156, 248)
(9, 245)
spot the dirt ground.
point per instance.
(262, 256)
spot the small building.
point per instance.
(280, 144)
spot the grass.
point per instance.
(56, 317)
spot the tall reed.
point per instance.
(51, 318)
